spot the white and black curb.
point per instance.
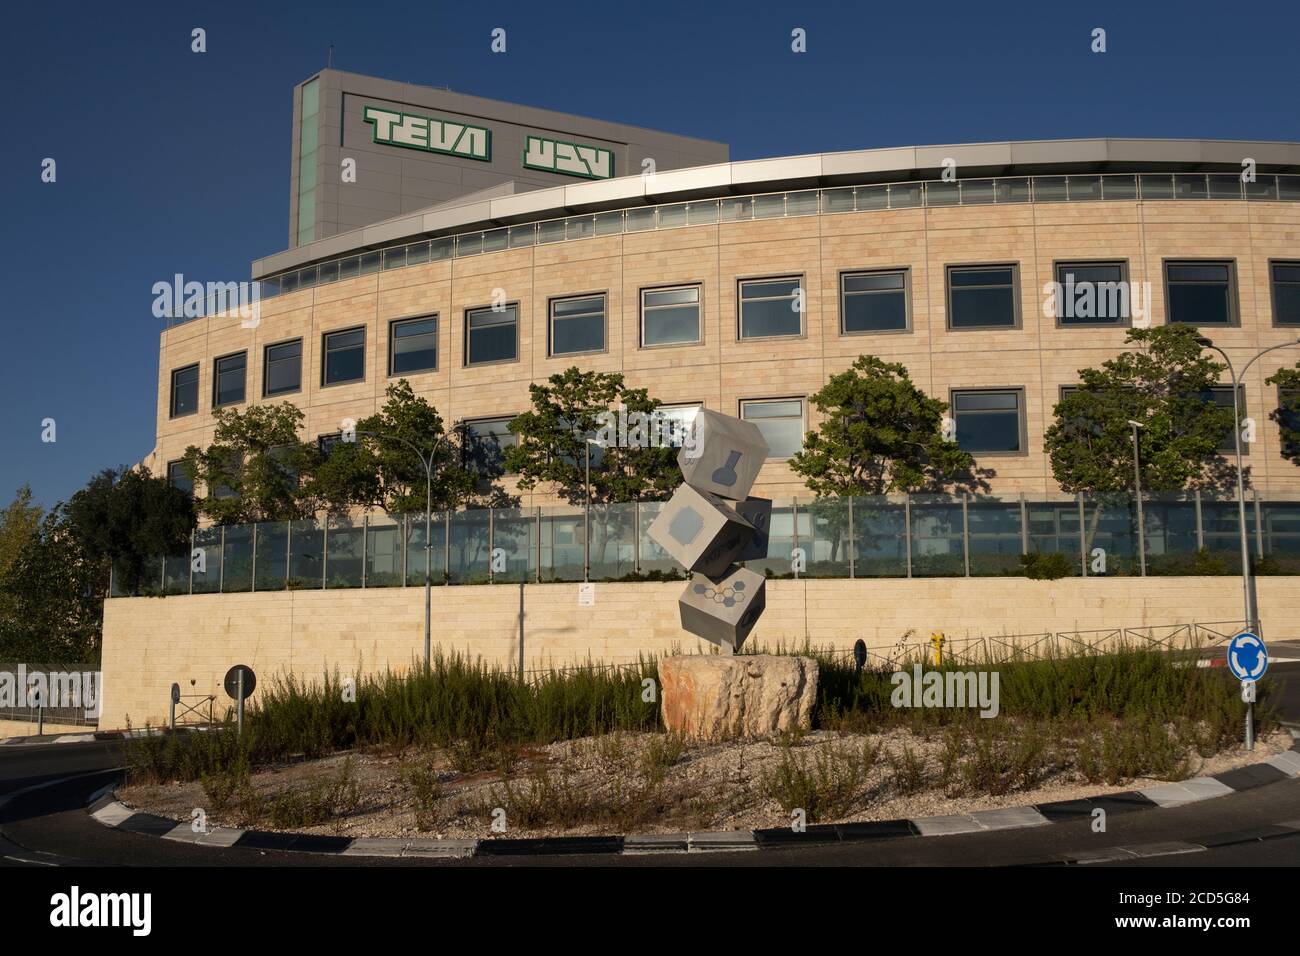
(108, 811)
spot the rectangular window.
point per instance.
(413, 345)
(771, 307)
(982, 297)
(1201, 293)
(178, 478)
(1286, 292)
(1221, 395)
(873, 301)
(344, 357)
(675, 422)
(780, 421)
(670, 316)
(228, 379)
(486, 442)
(1092, 293)
(282, 369)
(990, 421)
(185, 391)
(1288, 420)
(577, 325)
(492, 336)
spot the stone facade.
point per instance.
(723, 370)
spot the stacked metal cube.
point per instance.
(711, 523)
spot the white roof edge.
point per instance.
(881, 165)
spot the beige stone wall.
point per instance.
(149, 643)
(721, 370)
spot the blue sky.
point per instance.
(170, 161)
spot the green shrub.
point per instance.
(1046, 567)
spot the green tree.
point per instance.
(1287, 413)
(380, 469)
(126, 520)
(20, 522)
(52, 598)
(257, 468)
(1162, 384)
(570, 409)
(879, 434)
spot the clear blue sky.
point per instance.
(170, 161)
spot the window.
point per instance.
(1286, 292)
(873, 301)
(780, 421)
(1201, 293)
(670, 316)
(486, 442)
(1288, 420)
(771, 307)
(178, 478)
(282, 372)
(1092, 293)
(492, 336)
(228, 379)
(577, 325)
(185, 391)
(982, 297)
(345, 357)
(1221, 395)
(675, 422)
(990, 421)
(413, 345)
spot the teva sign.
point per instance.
(394, 128)
(568, 159)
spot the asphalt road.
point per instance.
(49, 827)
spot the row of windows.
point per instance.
(1202, 293)
(986, 421)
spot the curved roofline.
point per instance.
(894, 164)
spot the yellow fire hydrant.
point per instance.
(936, 639)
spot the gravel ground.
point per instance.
(638, 783)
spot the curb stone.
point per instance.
(105, 809)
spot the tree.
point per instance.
(572, 408)
(20, 522)
(879, 434)
(127, 519)
(51, 599)
(257, 468)
(1162, 384)
(1287, 414)
(380, 470)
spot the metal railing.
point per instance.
(805, 202)
(894, 536)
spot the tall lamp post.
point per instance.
(427, 463)
(1137, 484)
(1252, 612)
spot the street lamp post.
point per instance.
(1137, 484)
(427, 464)
(1252, 612)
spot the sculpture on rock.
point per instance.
(711, 523)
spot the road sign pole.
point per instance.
(1250, 726)
(239, 705)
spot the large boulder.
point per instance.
(718, 697)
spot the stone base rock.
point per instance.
(720, 697)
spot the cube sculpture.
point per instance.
(710, 523)
(722, 455)
(701, 531)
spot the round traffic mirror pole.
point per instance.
(239, 704)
